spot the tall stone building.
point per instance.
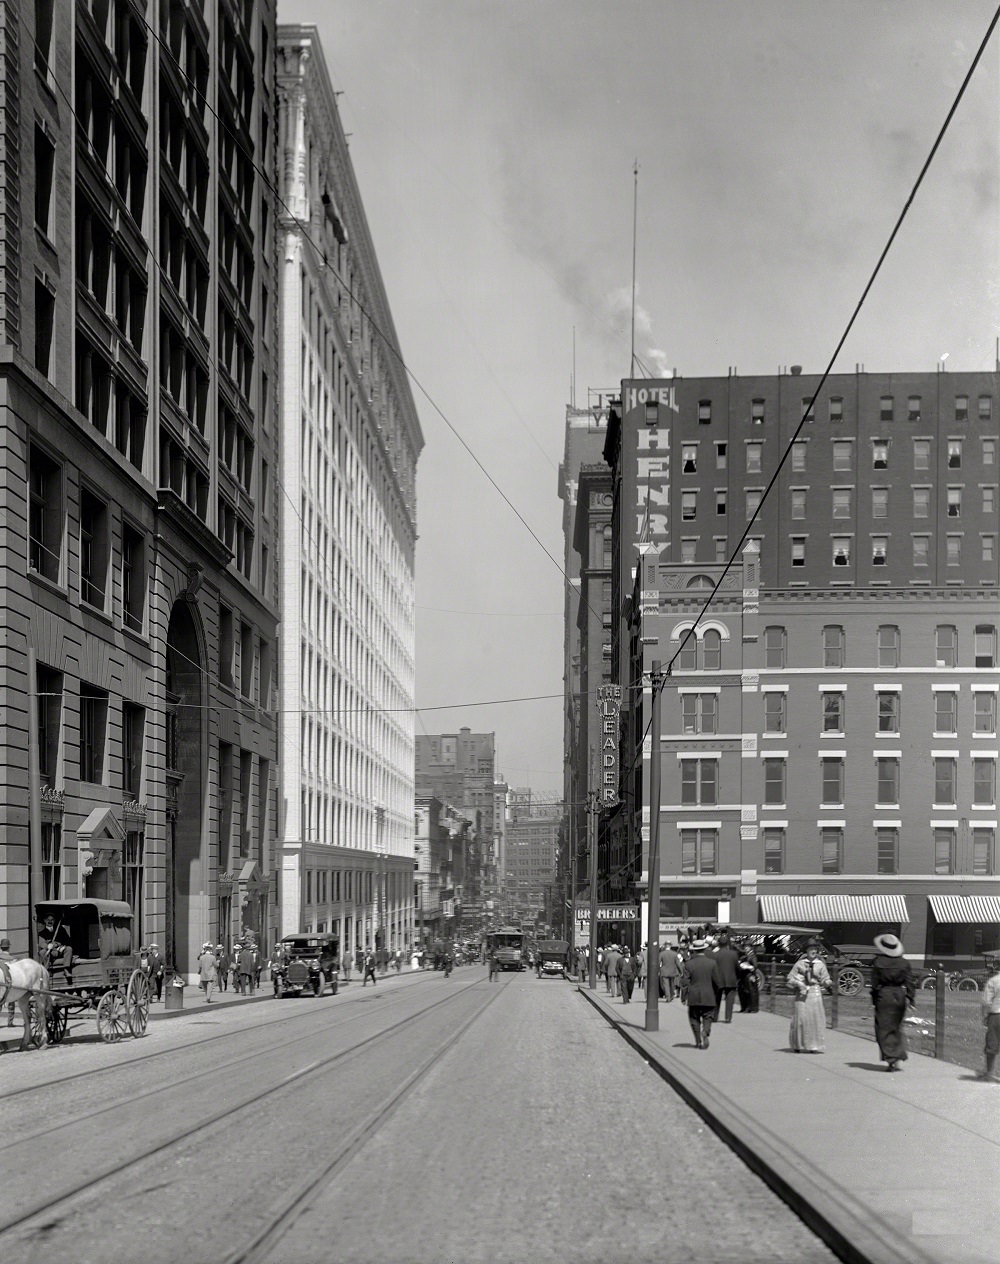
(829, 731)
(347, 507)
(532, 894)
(139, 444)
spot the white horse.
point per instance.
(21, 982)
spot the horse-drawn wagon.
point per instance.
(86, 947)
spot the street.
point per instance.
(427, 1119)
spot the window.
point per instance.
(246, 660)
(944, 850)
(842, 497)
(985, 645)
(832, 847)
(945, 711)
(49, 691)
(704, 412)
(833, 780)
(711, 650)
(945, 779)
(921, 502)
(689, 458)
(913, 408)
(774, 850)
(93, 549)
(880, 454)
(945, 646)
(888, 711)
(754, 457)
(133, 732)
(880, 550)
(43, 37)
(921, 454)
(836, 409)
(798, 502)
(687, 655)
(721, 552)
(798, 456)
(689, 505)
(756, 412)
(753, 499)
(833, 711)
(687, 555)
(808, 409)
(720, 502)
(987, 548)
(699, 782)
(983, 838)
(887, 781)
(961, 408)
(775, 647)
(45, 308)
(887, 850)
(885, 408)
(699, 850)
(841, 455)
(774, 712)
(44, 515)
(984, 782)
(989, 451)
(133, 857)
(954, 454)
(93, 729)
(45, 161)
(226, 646)
(921, 550)
(841, 550)
(880, 502)
(985, 713)
(774, 781)
(133, 578)
(989, 500)
(953, 550)
(954, 502)
(888, 645)
(700, 712)
(985, 407)
(834, 646)
(798, 550)
(721, 453)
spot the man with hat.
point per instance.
(7, 955)
(704, 986)
(207, 971)
(154, 968)
(991, 1018)
(892, 990)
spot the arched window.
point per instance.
(711, 650)
(687, 659)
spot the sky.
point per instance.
(777, 142)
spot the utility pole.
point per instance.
(592, 808)
(653, 885)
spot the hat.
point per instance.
(698, 945)
(813, 942)
(4, 943)
(152, 946)
(889, 945)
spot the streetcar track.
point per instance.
(48, 1208)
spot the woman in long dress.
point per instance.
(809, 979)
(892, 991)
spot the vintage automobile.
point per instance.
(552, 957)
(305, 963)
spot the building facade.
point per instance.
(137, 353)
(532, 893)
(829, 736)
(347, 505)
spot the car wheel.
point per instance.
(850, 981)
(968, 985)
(929, 984)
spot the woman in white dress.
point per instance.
(809, 979)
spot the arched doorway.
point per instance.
(186, 863)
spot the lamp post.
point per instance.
(653, 891)
(380, 893)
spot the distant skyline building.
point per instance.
(530, 877)
(347, 504)
(137, 373)
(829, 730)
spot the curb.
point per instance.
(851, 1230)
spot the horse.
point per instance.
(20, 981)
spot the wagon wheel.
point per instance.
(112, 1017)
(929, 984)
(137, 1003)
(968, 985)
(850, 982)
(37, 1024)
(56, 1021)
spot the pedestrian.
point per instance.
(809, 979)
(7, 955)
(892, 990)
(207, 971)
(727, 959)
(248, 969)
(491, 961)
(748, 988)
(639, 961)
(156, 971)
(702, 986)
(368, 966)
(991, 1018)
(222, 962)
(237, 977)
(612, 958)
(669, 968)
(345, 965)
(626, 976)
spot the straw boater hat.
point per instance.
(888, 945)
(697, 945)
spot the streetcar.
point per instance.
(507, 944)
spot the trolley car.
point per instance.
(93, 968)
(507, 945)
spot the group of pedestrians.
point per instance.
(216, 969)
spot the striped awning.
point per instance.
(965, 910)
(810, 910)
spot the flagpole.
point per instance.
(635, 205)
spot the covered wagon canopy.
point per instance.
(91, 928)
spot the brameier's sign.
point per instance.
(609, 913)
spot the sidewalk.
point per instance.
(887, 1169)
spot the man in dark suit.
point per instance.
(727, 959)
(701, 975)
(669, 969)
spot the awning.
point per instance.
(965, 910)
(810, 909)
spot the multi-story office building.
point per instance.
(829, 723)
(532, 858)
(138, 574)
(444, 839)
(347, 505)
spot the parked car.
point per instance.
(306, 963)
(553, 957)
(777, 949)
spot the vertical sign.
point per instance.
(609, 701)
